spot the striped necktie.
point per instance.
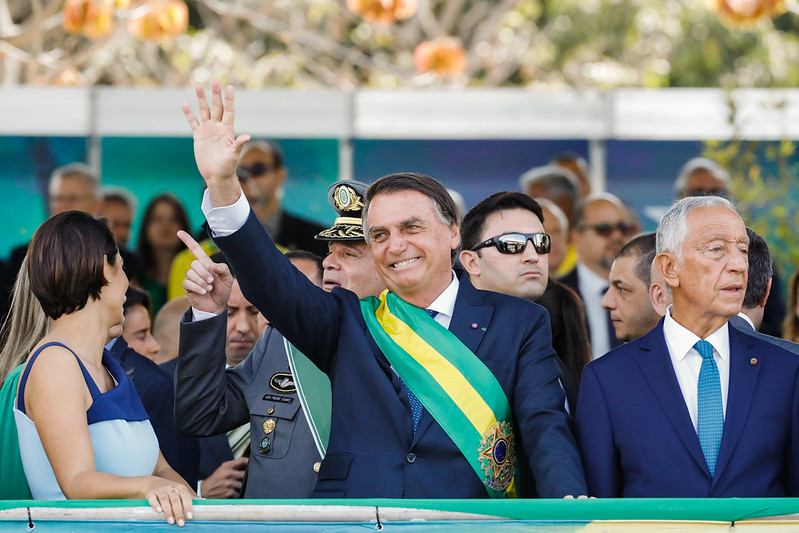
(710, 420)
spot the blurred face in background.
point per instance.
(72, 192)
(242, 326)
(163, 226)
(137, 333)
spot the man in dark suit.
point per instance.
(384, 439)
(694, 408)
(600, 228)
(758, 289)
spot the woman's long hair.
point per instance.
(145, 247)
(24, 326)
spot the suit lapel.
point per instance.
(658, 371)
(743, 378)
(470, 321)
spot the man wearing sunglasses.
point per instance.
(701, 176)
(262, 174)
(506, 250)
(602, 225)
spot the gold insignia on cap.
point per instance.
(269, 425)
(347, 199)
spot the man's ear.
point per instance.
(470, 262)
(668, 266)
(768, 291)
(454, 237)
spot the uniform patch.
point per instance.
(283, 382)
(280, 399)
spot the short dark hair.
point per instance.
(474, 221)
(135, 296)
(444, 205)
(310, 256)
(66, 260)
(760, 270)
(642, 246)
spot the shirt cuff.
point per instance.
(225, 220)
(197, 315)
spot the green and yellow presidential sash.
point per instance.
(458, 390)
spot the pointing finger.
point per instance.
(194, 247)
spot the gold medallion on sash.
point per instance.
(498, 456)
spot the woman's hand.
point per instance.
(172, 499)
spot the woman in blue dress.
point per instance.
(83, 432)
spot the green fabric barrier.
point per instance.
(721, 510)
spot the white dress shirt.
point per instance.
(687, 362)
(592, 289)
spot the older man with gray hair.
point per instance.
(694, 408)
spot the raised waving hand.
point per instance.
(216, 147)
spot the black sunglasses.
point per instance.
(707, 192)
(515, 243)
(606, 229)
(256, 169)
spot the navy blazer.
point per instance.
(157, 395)
(742, 325)
(637, 438)
(373, 452)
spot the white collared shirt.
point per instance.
(445, 303)
(592, 289)
(687, 362)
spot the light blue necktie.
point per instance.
(416, 405)
(710, 422)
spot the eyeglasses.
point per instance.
(721, 193)
(606, 229)
(515, 243)
(256, 169)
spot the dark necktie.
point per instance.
(710, 420)
(416, 405)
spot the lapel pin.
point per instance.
(474, 325)
(753, 361)
(484, 329)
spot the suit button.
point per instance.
(316, 466)
(411, 457)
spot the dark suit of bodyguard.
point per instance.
(375, 449)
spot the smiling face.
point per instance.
(627, 300)
(411, 245)
(524, 275)
(709, 283)
(350, 265)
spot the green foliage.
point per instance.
(763, 176)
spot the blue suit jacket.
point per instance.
(742, 325)
(156, 391)
(373, 452)
(637, 438)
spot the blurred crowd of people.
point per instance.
(182, 371)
